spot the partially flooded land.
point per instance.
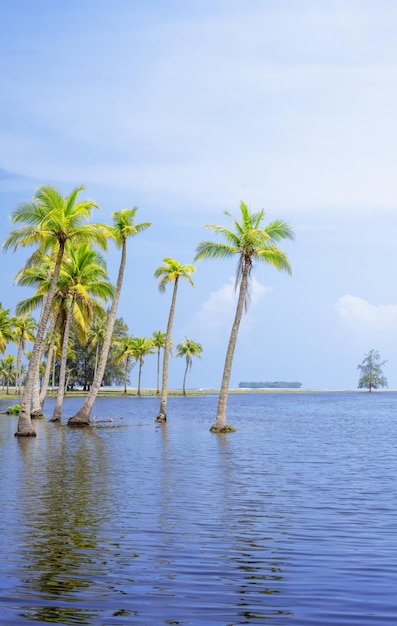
(290, 520)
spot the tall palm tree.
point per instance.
(169, 273)
(24, 330)
(188, 349)
(158, 338)
(251, 243)
(51, 221)
(141, 346)
(123, 228)
(124, 352)
(82, 279)
(6, 331)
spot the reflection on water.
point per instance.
(289, 521)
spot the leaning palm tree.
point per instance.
(123, 227)
(168, 273)
(51, 221)
(188, 349)
(141, 346)
(82, 280)
(251, 243)
(158, 339)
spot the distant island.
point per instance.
(282, 384)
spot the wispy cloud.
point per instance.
(362, 319)
(216, 314)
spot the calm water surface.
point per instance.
(291, 520)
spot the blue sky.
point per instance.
(185, 108)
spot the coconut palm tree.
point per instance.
(51, 221)
(9, 369)
(141, 346)
(123, 228)
(158, 339)
(6, 331)
(24, 330)
(82, 279)
(251, 243)
(96, 334)
(170, 273)
(124, 352)
(188, 349)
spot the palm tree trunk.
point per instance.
(82, 417)
(47, 371)
(220, 424)
(57, 414)
(184, 377)
(162, 416)
(25, 426)
(37, 402)
(125, 376)
(158, 372)
(138, 393)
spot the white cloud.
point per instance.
(360, 317)
(216, 314)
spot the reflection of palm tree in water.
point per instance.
(64, 501)
(253, 530)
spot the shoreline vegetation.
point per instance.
(118, 392)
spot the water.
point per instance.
(291, 520)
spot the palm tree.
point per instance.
(251, 243)
(24, 330)
(188, 349)
(124, 351)
(123, 227)
(51, 221)
(8, 369)
(168, 273)
(158, 339)
(141, 346)
(82, 279)
(6, 331)
(96, 335)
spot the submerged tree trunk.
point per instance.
(82, 417)
(47, 371)
(220, 425)
(57, 414)
(25, 426)
(162, 416)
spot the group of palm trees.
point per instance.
(68, 271)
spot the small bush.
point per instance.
(14, 409)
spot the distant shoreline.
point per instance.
(118, 392)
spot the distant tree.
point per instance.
(158, 338)
(125, 349)
(8, 369)
(141, 346)
(170, 273)
(188, 349)
(371, 372)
